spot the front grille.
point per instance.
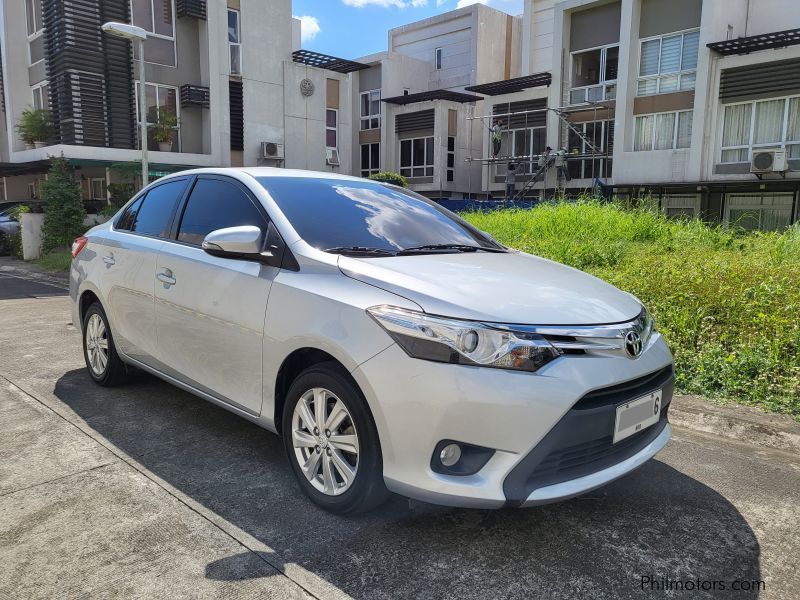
(628, 390)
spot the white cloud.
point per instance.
(386, 3)
(463, 3)
(440, 3)
(309, 27)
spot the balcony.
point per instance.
(593, 93)
(192, 8)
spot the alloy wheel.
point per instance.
(97, 344)
(325, 441)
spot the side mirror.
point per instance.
(247, 242)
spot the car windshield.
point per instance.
(370, 218)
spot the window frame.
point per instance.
(604, 84)
(450, 175)
(38, 19)
(759, 207)
(682, 202)
(104, 186)
(675, 130)
(409, 170)
(680, 73)
(152, 34)
(369, 118)
(750, 146)
(604, 158)
(237, 44)
(526, 168)
(45, 100)
(142, 195)
(177, 109)
(372, 169)
(438, 56)
(334, 128)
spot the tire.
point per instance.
(96, 333)
(327, 484)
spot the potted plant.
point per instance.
(164, 130)
(35, 127)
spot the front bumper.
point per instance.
(551, 431)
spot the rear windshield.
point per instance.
(334, 213)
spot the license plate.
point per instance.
(637, 415)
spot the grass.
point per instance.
(727, 302)
(56, 260)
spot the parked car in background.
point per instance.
(393, 346)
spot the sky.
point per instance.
(355, 28)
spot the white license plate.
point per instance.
(636, 415)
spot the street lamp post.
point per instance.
(136, 34)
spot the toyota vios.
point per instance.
(392, 345)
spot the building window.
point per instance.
(594, 75)
(33, 14)
(162, 104)
(154, 16)
(759, 211)
(371, 110)
(668, 63)
(437, 53)
(451, 158)
(235, 41)
(406, 91)
(370, 159)
(663, 131)
(98, 188)
(592, 138)
(681, 206)
(41, 96)
(771, 123)
(521, 145)
(331, 128)
(416, 157)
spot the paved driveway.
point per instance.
(146, 491)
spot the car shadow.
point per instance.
(656, 522)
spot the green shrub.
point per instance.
(726, 301)
(390, 177)
(35, 125)
(63, 207)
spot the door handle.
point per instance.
(109, 260)
(166, 278)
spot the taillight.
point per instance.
(78, 245)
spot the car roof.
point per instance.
(269, 172)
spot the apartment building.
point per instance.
(692, 101)
(413, 114)
(228, 71)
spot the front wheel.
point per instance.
(331, 442)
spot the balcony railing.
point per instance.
(194, 95)
(192, 8)
(593, 93)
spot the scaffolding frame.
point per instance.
(551, 159)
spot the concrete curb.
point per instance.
(741, 423)
(25, 270)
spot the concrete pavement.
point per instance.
(146, 491)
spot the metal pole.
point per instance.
(143, 116)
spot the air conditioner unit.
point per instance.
(769, 161)
(272, 150)
(332, 157)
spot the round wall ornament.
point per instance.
(307, 87)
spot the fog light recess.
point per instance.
(451, 457)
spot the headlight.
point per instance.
(465, 342)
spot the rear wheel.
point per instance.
(331, 441)
(102, 360)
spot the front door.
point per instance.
(210, 311)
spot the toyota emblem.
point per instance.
(633, 344)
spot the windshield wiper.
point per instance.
(360, 251)
(456, 247)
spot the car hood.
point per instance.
(511, 287)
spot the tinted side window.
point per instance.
(128, 218)
(215, 204)
(153, 217)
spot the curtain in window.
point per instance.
(769, 122)
(665, 131)
(793, 129)
(684, 129)
(691, 44)
(736, 131)
(671, 54)
(649, 61)
(644, 133)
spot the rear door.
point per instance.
(209, 310)
(129, 252)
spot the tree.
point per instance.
(63, 206)
(390, 177)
